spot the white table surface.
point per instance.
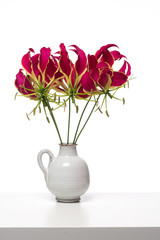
(115, 211)
(94, 210)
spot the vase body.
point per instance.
(67, 175)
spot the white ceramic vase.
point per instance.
(67, 175)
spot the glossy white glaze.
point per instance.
(67, 175)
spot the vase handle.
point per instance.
(40, 162)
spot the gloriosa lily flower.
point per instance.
(38, 74)
(69, 74)
(100, 75)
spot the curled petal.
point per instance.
(123, 68)
(26, 62)
(118, 79)
(81, 62)
(117, 55)
(99, 52)
(19, 82)
(31, 50)
(129, 70)
(126, 68)
(23, 83)
(44, 58)
(64, 61)
(107, 57)
(87, 83)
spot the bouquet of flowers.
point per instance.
(54, 79)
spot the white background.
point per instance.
(122, 151)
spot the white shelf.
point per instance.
(97, 213)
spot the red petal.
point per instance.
(58, 75)
(44, 58)
(99, 52)
(51, 68)
(22, 82)
(19, 82)
(102, 65)
(81, 62)
(28, 85)
(87, 83)
(104, 79)
(117, 55)
(35, 62)
(129, 69)
(95, 75)
(107, 57)
(31, 50)
(94, 72)
(125, 66)
(92, 61)
(26, 62)
(34, 58)
(64, 61)
(118, 79)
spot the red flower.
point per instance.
(100, 75)
(69, 74)
(38, 75)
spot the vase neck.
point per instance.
(68, 150)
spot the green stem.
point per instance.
(69, 117)
(80, 120)
(87, 119)
(45, 100)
